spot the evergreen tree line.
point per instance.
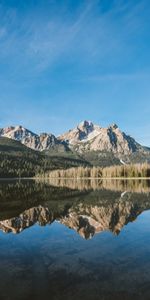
(123, 171)
(30, 164)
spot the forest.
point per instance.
(122, 171)
(16, 160)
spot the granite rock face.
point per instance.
(89, 137)
(34, 141)
(84, 138)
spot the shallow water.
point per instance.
(74, 240)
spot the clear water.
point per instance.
(74, 240)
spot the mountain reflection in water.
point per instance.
(88, 207)
(99, 258)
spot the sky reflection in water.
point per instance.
(92, 243)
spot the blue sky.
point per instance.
(65, 61)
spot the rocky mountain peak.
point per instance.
(19, 127)
(86, 126)
(30, 139)
(90, 137)
(16, 132)
(114, 126)
(85, 137)
(84, 131)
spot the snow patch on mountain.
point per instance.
(34, 141)
(85, 137)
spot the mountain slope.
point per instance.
(89, 137)
(85, 137)
(41, 142)
(17, 160)
(87, 142)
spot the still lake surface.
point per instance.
(74, 240)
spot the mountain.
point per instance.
(89, 137)
(41, 142)
(85, 137)
(83, 132)
(17, 160)
(89, 142)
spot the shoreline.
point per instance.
(77, 178)
(95, 178)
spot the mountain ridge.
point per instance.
(95, 144)
(86, 136)
(89, 137)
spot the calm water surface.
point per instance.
(74, 240)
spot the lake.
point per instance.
(74, 239)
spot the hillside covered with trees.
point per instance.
(16, 160)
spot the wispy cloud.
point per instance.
(65, 60)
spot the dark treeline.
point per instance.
(31, 165)
(16, 160)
